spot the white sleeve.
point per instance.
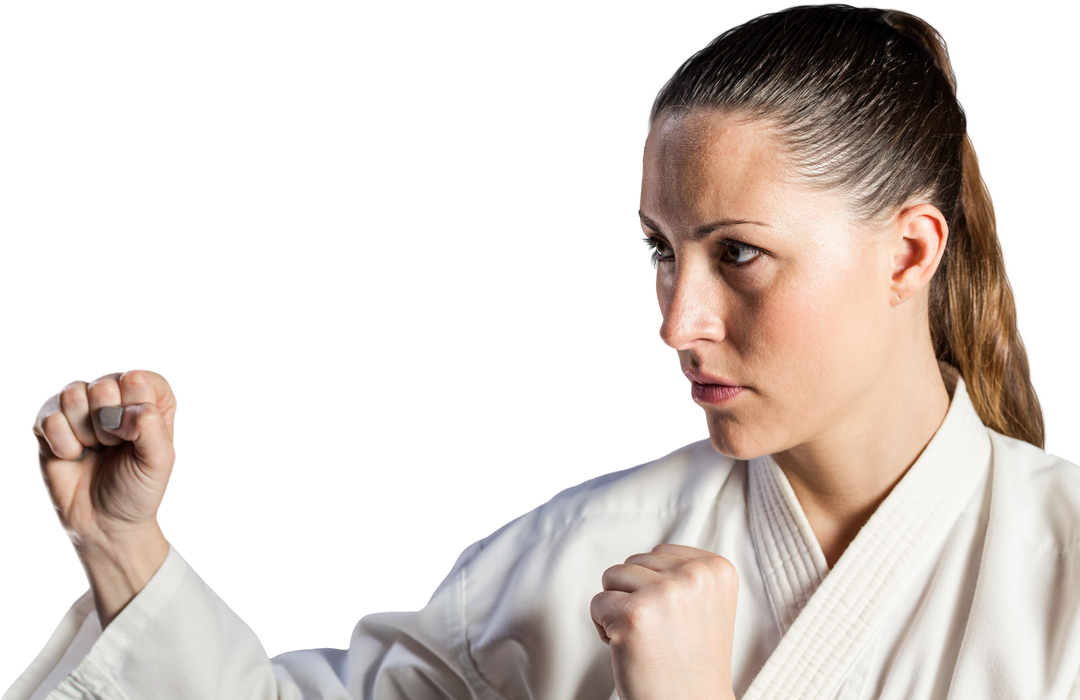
(177, 638)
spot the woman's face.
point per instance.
(777, 302)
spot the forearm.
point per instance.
(119, 566)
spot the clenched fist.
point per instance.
(669, 618)
(106, 477)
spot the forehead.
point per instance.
(702, 165)
(687, 136)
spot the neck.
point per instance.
(841, 478)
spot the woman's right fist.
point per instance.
(106, 481)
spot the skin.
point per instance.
(106, 485)
(826, 324)
(822, 318)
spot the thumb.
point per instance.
(145, 427)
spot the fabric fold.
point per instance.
(791, 559)
(843, 615)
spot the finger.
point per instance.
(101, 393)
(681, 550)
(628, 578)
(722, 569)
(56, 439)
(143, 386)
(76, 408)
(682, 560)
(136, 387)
(86, 451)
(656, 561)
(601, 633)
(144, 426)
(608, 611)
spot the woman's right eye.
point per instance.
(661, 251)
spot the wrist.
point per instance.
(119, 567)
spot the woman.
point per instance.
(873, 518)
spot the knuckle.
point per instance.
(104, 385)
(724, 572)
(695, 573)
(148, 421)
(133, 379)
(668, 591)
(53, 424)
(147, 417)
(73, 395)
(635, 615)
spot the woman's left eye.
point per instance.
(743, 248)
(744, 254)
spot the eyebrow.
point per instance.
(703, 231)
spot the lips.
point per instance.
(703, 378)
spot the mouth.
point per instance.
(714, 394)
(707, 389)
(702, 378)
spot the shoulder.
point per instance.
(1032, 472)
(1036, 494)
(1029, 572)
(676, 481)
(684, 480)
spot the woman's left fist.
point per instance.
(669, 618)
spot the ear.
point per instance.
(920, 234)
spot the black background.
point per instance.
(392, 270)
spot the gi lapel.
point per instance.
(792, 563)
(845, 612)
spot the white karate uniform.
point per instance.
(964, 584)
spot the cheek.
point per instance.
(816, 330)
(665, 279)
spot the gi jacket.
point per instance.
(965, 583)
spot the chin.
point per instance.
(734, 449)
(739, 440)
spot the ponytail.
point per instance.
(866, 99)
(972, 311)
(973, 316)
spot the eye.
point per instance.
(653, 245)
(745, 255)
(743, 250)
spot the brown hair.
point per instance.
(865, 102)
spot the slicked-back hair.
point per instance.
(864, 103)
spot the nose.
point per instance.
(692, 306)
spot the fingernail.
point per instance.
(81, 455)
(109, 417)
